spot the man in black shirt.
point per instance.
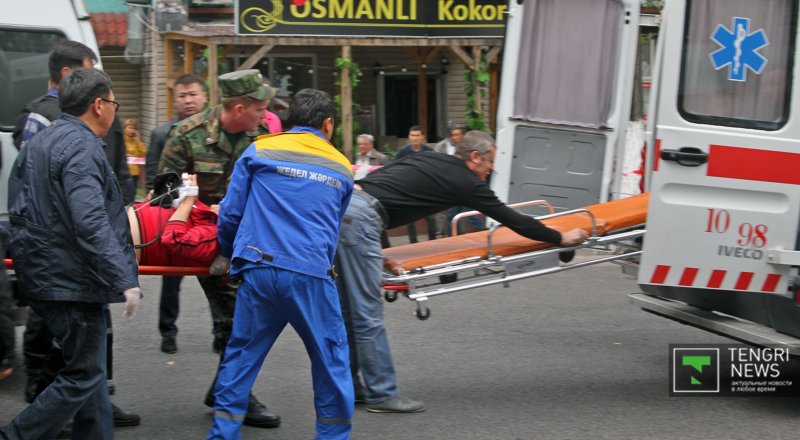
(397, 194)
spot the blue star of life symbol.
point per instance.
(739, 49)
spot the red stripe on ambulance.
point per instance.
(716, 279)
(744, 281)
(752, 164)
(689, 277)
(689, 274)
(771, 283)
(660, 274)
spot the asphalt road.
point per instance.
(565, 356)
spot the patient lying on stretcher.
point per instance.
(174, 228)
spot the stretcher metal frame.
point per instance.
(423, 283)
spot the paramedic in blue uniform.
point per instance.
(397, 194)
(279, 223)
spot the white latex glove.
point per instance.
(132, 297)
(183, 192)
(220, 266)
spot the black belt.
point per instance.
(373, 203)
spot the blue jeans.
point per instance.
(267, 300)
(79, 392)
(360, 262)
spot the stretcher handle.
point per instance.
(490, 244)
(457, 218)
(574, 211)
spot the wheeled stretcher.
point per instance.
(153, 270)
(498, 255)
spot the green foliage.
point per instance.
(220, 64)
(345, 63)
(475, 117)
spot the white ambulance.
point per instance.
(723, 167)
(722, 225)
(28, 30)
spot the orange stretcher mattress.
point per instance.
(152, 270)
(611, 216)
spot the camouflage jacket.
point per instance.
(198, 145)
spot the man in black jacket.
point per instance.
(42, 359)
(399, 193)
(64, 170)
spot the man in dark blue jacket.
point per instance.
(73, 255)
(42, 358)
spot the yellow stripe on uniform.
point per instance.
(306, 143)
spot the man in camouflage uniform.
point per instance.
(208, 144)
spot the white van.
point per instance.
(28, 31)
(722, 225)
(723, 164)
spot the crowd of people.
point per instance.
(230, 189)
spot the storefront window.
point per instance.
(289, 74)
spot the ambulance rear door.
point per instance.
(564, 100)
(724, 194)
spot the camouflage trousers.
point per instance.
(221, 295)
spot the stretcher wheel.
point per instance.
(422, 312)
(390, 295)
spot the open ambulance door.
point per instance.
(722, 225)
(565, 98)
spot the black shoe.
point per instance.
(258, 416)
(218, 345)
(168, 345)
(122, 419)
(31, 389)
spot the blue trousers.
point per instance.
(79, 392)
(267, 300)
(360, 262)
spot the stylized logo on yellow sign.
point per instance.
(419, 18)
(259, 20)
